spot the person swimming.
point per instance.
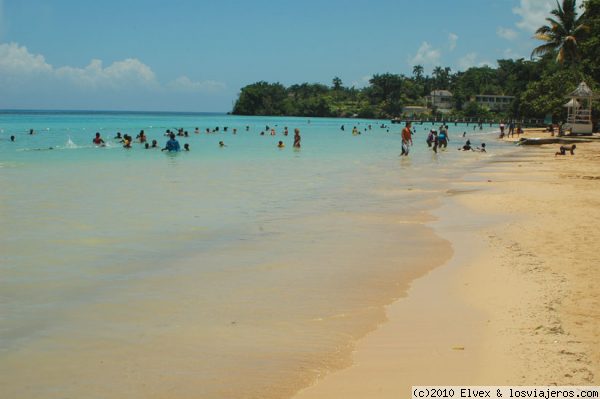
(12, 138)
(467, 146)
(154, 144)
(280, 144)
(98, 140)
(186, 147)
(126, 141)
(147, 146)
(222, 144)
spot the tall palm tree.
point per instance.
(418, 72)
(563, 33)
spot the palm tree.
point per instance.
(418, 72)
(337, 83)
(441, 77)
(563, 33)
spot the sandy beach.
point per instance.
(518, 303)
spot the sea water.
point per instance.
(224, 272)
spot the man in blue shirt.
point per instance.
(172, 144)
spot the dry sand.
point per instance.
(519, 303)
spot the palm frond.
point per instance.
(542, 50)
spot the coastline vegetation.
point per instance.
(568, 55)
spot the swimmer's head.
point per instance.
(12, 138)
(97, 134)
(147, 145)
(221, 144)
(172, 136)
(186, 147)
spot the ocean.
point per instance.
(244, 271)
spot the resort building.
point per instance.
(414, 110)
(492, 102)
(440, 99)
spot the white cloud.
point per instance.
(506, 33)
(470, 60)
(126, 73)
(452, 39)
(185, 84)
(511, 54)
(426, 55)
(533, 13)
(20, 68)
(363, 82)
(15, 59)
(467, 61)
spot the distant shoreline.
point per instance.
(101, 112)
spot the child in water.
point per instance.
(281, 145)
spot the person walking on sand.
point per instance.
(406, 139)
(296, 138)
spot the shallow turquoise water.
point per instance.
(120, 254)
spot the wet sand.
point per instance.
(519, 302)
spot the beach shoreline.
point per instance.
(513, 306)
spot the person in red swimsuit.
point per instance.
(98, 140)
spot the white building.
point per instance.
(440, 99)
(492, 102)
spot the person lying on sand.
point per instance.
(564, 148)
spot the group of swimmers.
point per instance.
(172, 144)
(439, 139)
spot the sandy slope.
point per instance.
(519, 303)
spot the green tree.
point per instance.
(562, 35)
(441, 77)
(418, 71)
(590, 46)
(262, 98)
(337, 83)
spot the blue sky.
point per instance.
(184, 55)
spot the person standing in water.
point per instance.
(406, 139)
(296, 138)
(172, 145)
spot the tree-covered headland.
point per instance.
(569, 52)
